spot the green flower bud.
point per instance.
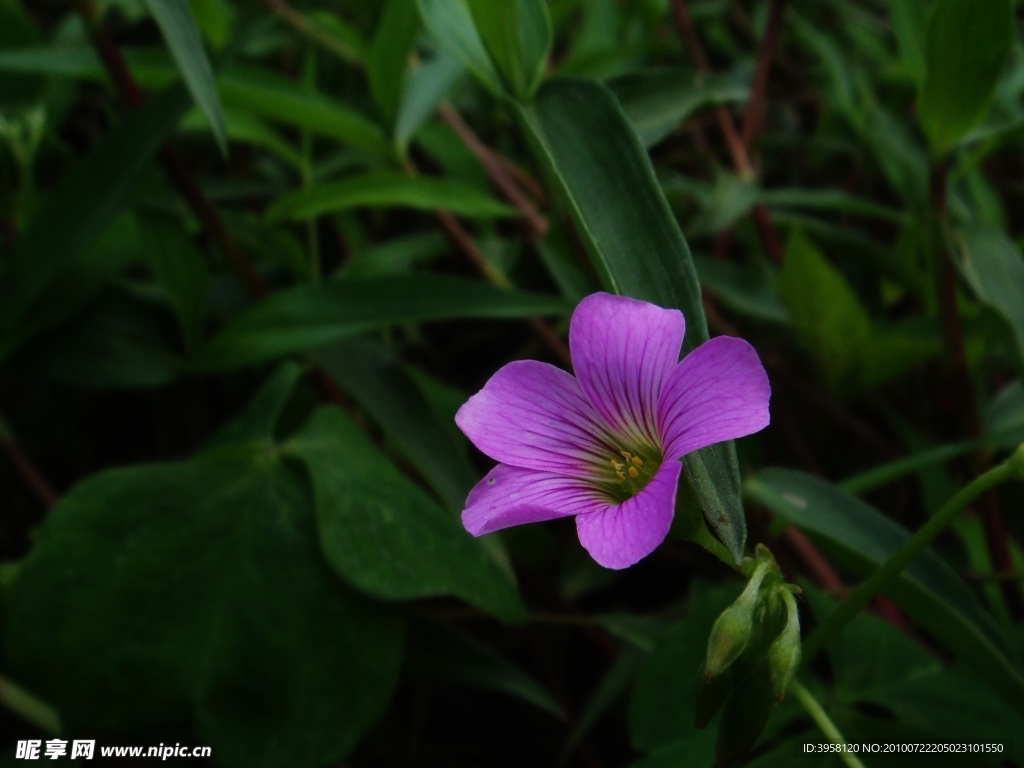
(731, 631)
(784, 654)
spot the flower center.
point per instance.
(628, 473)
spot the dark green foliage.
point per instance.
(239, 314)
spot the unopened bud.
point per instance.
(731, 630)
(784, 654)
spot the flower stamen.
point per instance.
(637, 461)
(634, 472)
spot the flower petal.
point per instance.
(510, 496)
(621, 535)
(623, 351)
(718, 392)
(533, 415)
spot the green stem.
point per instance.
(886, 473)
(824, 722)
(702, 537)
(839, 618)
(28, 707)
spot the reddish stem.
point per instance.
(757, 107)
(132, 96)
(33, 478)
(733, 140)
(996, 536)
(496, 172)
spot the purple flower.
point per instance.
(605, 445)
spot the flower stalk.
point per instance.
(1011, 469)
(824, 722)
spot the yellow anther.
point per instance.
(637, 461)
(616, 465)
(634, 472)
(621, 476)
(626, 455)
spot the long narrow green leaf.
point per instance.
(380, 384)
(580, 133)
(83, 204)
(517, 33)
(174, 17)
(441, 654)
(388, 57)
(151, 67)
(385, 190)
(312, 316)
(450, 22)
(656, 101)
(426, 87)
(928, 590)
(278, 99)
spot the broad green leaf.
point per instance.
(993, 267)
(966, 48)
(450, 23)
(174, 17)
(181, 270)
(440, 654)
(385, 536)
(388, 57)
(517, 33)
(384, 190)
(661, 707)
(196, 592)
(825, 311)
(425, 88)
(929, 590)
(82, 205)
(580, 134)
(313, 316)
(381, 386)
(657, 101)
(281, 100)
